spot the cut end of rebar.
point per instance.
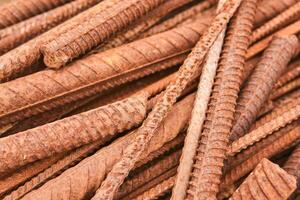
(54, 60)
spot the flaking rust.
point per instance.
(19, 10)
(13, 36)
(94, 31)
(207, 167)
(48, 89)
(267, 181)
(99, 124)
(260, 84)
(187, 71)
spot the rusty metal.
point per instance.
(292, 166)
(252, 150)
(261, 82)
(204, 90)
(135, 30)
(127, 90)
(99, 124)
(267, 181)
(96, 73)
(270, 150)
(211, 150)
(283, 19)
(159, 190)
(19, 10)
(17, 178)
(24, 59)
(292, 73)
(182, 17)
(264, 130)
(139, 178)
(94, 31)
(17, 34)
(101, 162)
(267, 9)
(286, 89)
(279, 109)
(187, 71)
(261, 45)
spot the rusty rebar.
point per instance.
(99, 124)
(264, 130)
(94, 31)
(267, 181)
(95, 73)
(292, 166)
(292, 73)
(198, 115)
(180, 18)
(261, 82)
(158, 190)
(267, 9)
(102, 162)
(17, 178)
(17, 34)
(211, 150)
(286, 89)
(19, 10)
(189, 69)
(25, 58)
(140, 178)
(135, 30)
(283, 19)
(252, 150)
(261, 45)
(272, 149)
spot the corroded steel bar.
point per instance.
(101, 162)
(204, 90)
(283, 19)
(292, 73)
(23, 59)
(211, 151)
(138, 179)
(13, 36)
(267, 181)
(272, 149)
(94, 31)
(189, 69)
(286, 89)
(264, 130)
(19, 10)
(99, 124)
(267, 9)
(96, 73)
(261, 82)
